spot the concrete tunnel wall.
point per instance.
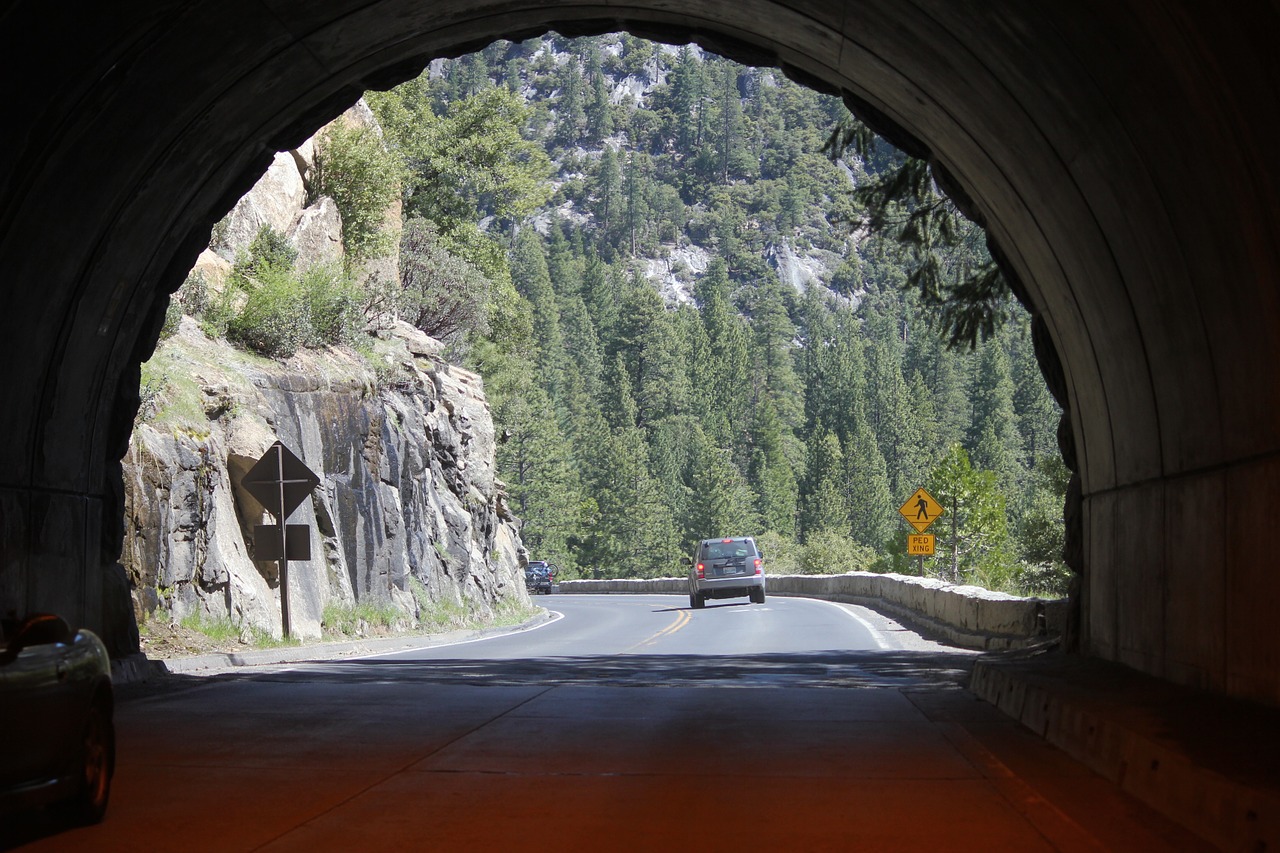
(1117, 150)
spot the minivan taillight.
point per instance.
(702, 572)
(759, 570)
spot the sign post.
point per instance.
(920, 511)
(281, 481)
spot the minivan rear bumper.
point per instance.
(727, 587)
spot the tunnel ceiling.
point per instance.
(1118, 152)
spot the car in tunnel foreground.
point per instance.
(57, 738)
(730, 567)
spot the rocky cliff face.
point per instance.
(408, 510)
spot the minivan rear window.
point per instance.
(720, 550)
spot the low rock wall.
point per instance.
(966, 616)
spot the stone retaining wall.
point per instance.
(967, 616)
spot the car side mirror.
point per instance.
(760, 554)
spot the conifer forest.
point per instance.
(704, 302)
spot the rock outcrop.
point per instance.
(408, 511)
(285, 199)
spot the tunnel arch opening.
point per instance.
(784, 545)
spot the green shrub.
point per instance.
(443, 295)
(172, 316)
(830, 553)
(219, 311)
(269, 248)
(332, 304)
(355, 169)
(1050, 579)
(194, 294)
(781, 553)
(275, 318)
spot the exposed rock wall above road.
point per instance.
(407, 499)
(284, 199)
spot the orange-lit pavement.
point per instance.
(872, 750)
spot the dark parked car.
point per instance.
(57, 740)
(539, 576)
(726, 568)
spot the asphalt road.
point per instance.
(627, 723)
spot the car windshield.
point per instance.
(720, 550)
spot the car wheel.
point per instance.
(97, 761)
(696, 601)
(757, 595)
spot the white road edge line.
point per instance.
(556, 616)
(848, 610)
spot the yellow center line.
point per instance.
(682, 618)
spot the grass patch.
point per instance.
(220, 629)
(172, 398)
(444, 615)
(262, 639)
(512, 611)
(360, 619)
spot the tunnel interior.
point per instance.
(1116, 154)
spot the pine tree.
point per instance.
(599, 116)
(608, 202)
(636, 534)
(533, 281)
(571, 114)
(601, 287)
(687, 87)
(771, 474)
(1038, 414)
(664, 390)
(890, 416)
(866, 478)
(823, 506)
(728, 357)
(674, 444)
(993, 434)
(618, 403)
(772, 352)
(582, 344)
(541, 480)
(725, 504)
(635, 191)
(973, 535)
(731, 155)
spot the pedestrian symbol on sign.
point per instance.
(921, 510)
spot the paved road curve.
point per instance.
(629, 723)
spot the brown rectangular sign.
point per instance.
(266, 542)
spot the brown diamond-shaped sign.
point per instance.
(280, 481)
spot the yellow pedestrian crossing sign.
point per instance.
(921, 510)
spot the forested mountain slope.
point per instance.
(691, 321)
(699, 342)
